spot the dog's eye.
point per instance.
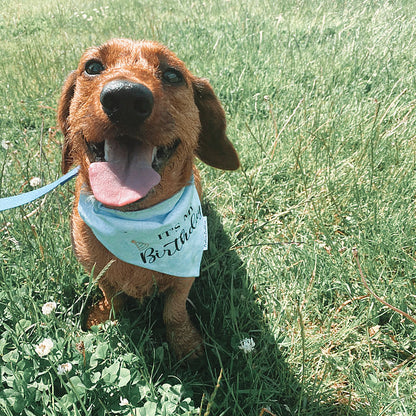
(172, 76)
(94, 67)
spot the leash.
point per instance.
(18, 200)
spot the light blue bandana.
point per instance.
(168, 237)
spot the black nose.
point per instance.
(126, 103)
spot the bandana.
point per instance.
(168, 237)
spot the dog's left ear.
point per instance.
(63, 112)
(214, 148)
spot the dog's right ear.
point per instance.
(63, 113)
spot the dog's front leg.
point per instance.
(183, 337)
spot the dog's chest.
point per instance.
(133, 280)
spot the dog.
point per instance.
(134, 118)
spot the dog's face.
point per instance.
(133, 117)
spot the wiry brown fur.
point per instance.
(190, 112)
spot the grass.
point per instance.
(320, 100)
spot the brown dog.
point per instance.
(133, 118)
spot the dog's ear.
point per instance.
(63, 113)
(214, 148)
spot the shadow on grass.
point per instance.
(227, 311)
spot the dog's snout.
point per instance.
(126, 102)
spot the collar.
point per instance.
(168, 237)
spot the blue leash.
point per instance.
(16, 201)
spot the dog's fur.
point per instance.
(188, 111)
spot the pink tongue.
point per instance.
(126, 177)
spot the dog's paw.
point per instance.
(185, 340)
(97, 314)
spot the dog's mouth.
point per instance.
(124, 170)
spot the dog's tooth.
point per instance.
(154, 153)
(106, 150)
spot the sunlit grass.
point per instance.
(320, 100)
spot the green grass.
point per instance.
(320, 100)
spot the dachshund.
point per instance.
(133, 119)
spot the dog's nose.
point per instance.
(125, 102)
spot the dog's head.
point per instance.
(133, 117)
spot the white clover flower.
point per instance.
(48, 308)
(44, 348)
(35, 182)
(124, 402)
(64, 368)
(247, 345)
(5, 144)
